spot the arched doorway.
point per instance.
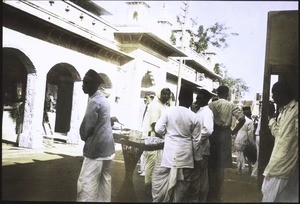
(58, 98)
(147, 84)
(16, 67)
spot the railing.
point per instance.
(200, 58)
(69, 13)
(187, 73)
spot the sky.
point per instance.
(244, 58)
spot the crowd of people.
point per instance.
(197, 145)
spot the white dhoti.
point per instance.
(168, 184)
(271, 187)
(94, 182)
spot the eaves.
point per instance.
(148, 40)
(62, 33)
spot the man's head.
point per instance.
(282, 94)
(91, 82)
(165, 95)
(247, 111)
(147, 99)
(185, 97)
(223, 91)
(203, 97)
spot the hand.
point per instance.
(113, 120)
(271, 110)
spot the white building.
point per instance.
(47, 48)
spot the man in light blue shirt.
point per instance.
(94, 182)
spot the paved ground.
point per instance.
(50, 174)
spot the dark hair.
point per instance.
(247, 111)
(283, 88)
(222, 90)
(94, 76)
(165, 90)
(185, 96)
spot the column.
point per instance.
(32, 135)
(79, 104)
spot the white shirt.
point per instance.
(246, 132)
(180, 128)
(285, 151)
(155, 109)
(206, 118)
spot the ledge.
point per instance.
(61, 33)
(150, 41)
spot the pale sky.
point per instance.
(244, 58)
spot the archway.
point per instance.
(58, 98)
(16, 67)
(147, 84)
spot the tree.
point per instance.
(237, 86)
(215, 36)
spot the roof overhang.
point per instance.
(174, 78)
(200, 68)
(91, 7)
(138, 2)
(150, 41)
(34, 26)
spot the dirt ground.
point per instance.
(50, 174)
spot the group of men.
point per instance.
(180, 171)
(197, 145)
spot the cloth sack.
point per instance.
(250, 151)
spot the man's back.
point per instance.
(180, 121)
(223, 111)
(180, 127)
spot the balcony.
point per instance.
(200, 58)
(71, 28)
(187, 73)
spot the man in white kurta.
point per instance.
(144, 109)
(257, 136)
(155, 109)
(281, 182)
(199, 185)
(180, 129)
(245, 133)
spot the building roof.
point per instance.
(91, 7)
(61, 33)
(200, 68)
(149, 40)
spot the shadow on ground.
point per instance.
(56, 179)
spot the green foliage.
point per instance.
(215, 36)
(173, 38)
(14, 112)
(237, 86)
